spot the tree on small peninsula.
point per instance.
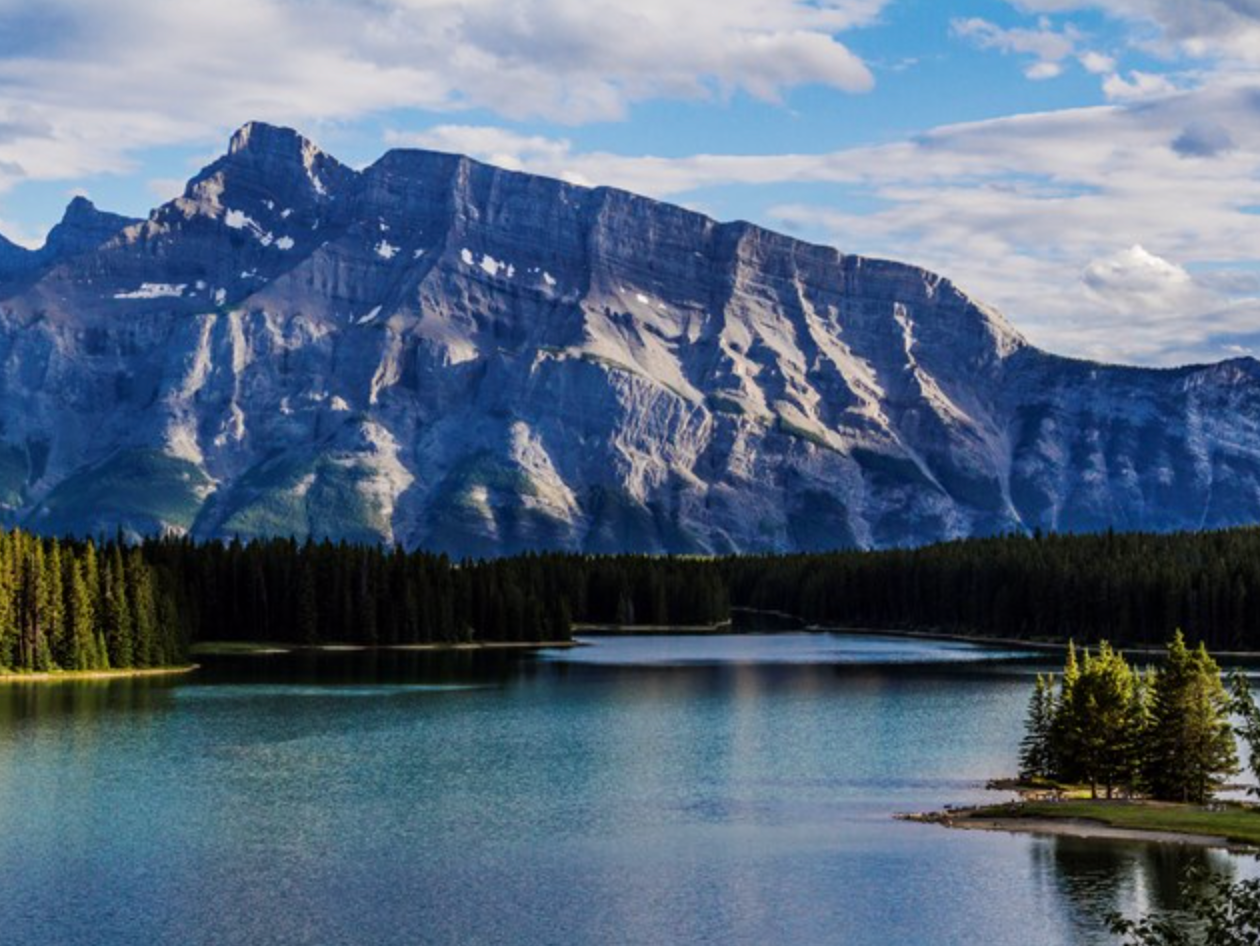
(1165, 733)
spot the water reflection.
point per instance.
(367, 666)
(82, 699)
(1093, 880)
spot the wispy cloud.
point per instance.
(1048, 46)
(1112, 232)
(1197, 28)
(83, 86)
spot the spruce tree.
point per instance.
(1104, 697)
(117, 610)
(1067, 727)
(81, 621)
(1036, 755)
(1191, 745)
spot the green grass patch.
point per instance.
(1234, 822)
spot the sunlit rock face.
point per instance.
(447, 355)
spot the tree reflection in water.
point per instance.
(1093, 879)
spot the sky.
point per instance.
(1089, 167)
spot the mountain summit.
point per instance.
(445, 354)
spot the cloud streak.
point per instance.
(90, 84)
(1121, 231)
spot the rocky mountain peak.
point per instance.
(447, 354)
(261, 137)
(284, 157)
(83, 227)
(267, 169)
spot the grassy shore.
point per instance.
(66, 676)
(1228, 824)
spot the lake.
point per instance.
(649, 790)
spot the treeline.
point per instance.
(87, 605)
(1164, 733)
(67, 605)
(1136, 588)
(282, 590)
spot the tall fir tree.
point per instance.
(116, 609)
(1036, 758)
(1104, 696)
(1190, 749)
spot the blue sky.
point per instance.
(1091, 168)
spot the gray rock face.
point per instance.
(449, 355)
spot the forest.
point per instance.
(1130, 588)
(107, 603)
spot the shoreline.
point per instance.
(654, 630)
(1145, 650)
(1084, 828)
(1230, 825)
(70, 676)
(267, 648)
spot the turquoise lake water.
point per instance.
(661, 790)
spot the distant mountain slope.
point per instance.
(445, 354)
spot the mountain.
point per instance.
(445, 354)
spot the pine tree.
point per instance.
(1067, 726)
(55, 607)
(1036, 750)
(116, 610)
(145, 651)
(1104, 697)
(1191, 744)
(81, 621)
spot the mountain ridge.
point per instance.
(446, 354)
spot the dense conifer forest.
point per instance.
(72, 605)
(83, 605)
(1133, 588)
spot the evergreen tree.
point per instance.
(1036, 751)
(116, 610)
(1066, 730)
(1190, 748)
(1104, 696)
(8, 614)
(55, 606)
(81, 622)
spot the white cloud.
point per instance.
(1043, 70)
(1199, 28)
(1139, 85)
(1136, 281)
(1048, 46)
(1097, 63)
(89, 84)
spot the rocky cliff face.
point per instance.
(444, 354)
